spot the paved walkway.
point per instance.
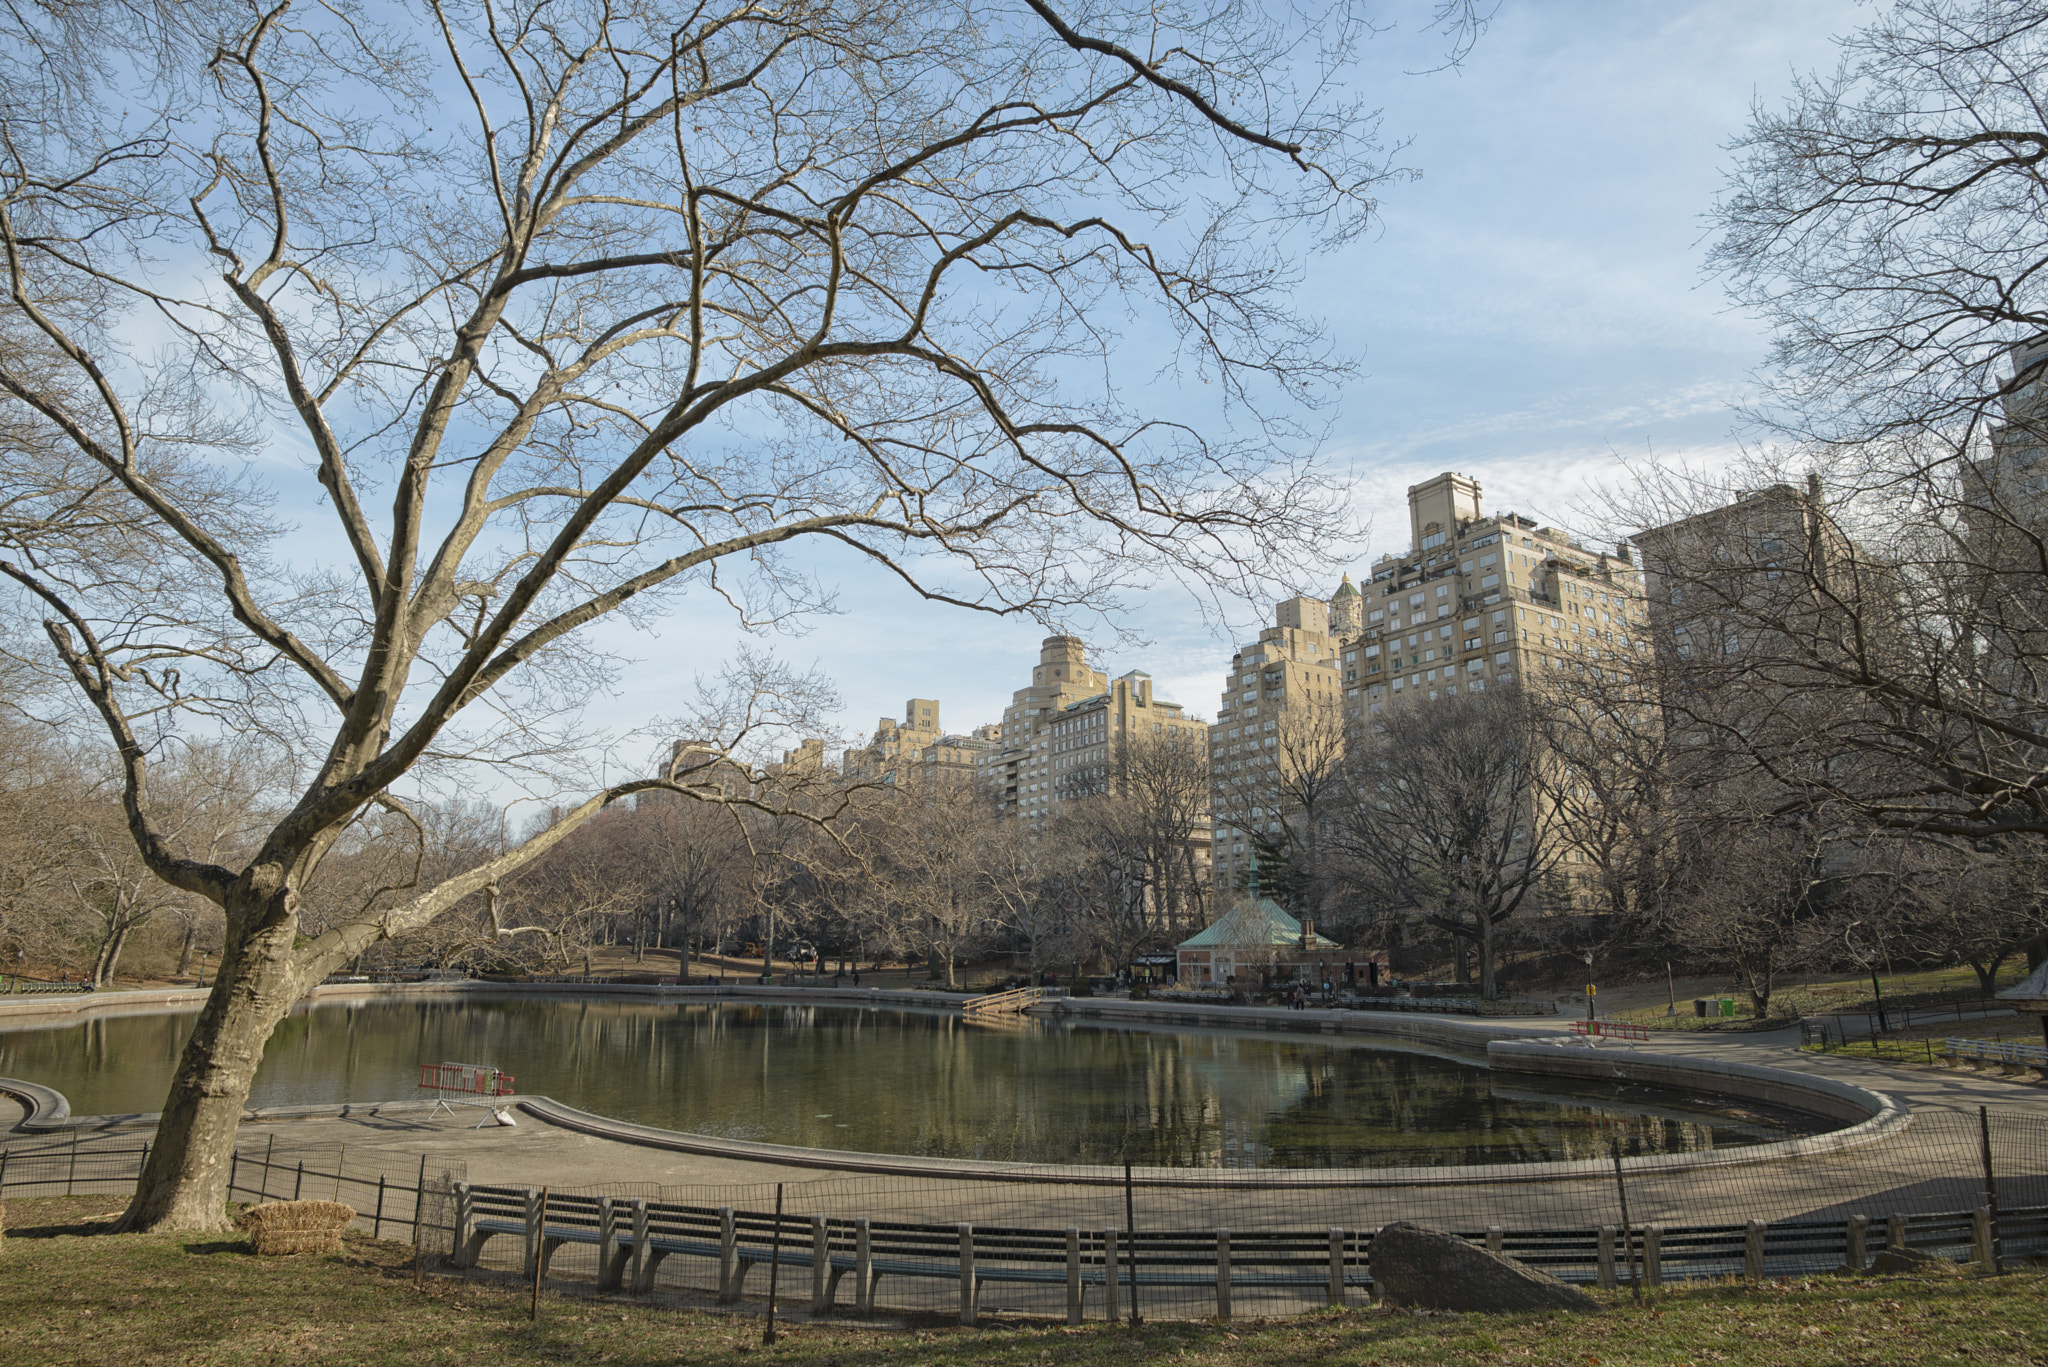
(537, 1153)
(1920, 1086)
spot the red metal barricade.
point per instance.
(469, 1079)
(1612, 1030)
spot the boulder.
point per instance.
(1426, 1267)
(1909, 1260)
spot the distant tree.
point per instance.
(1284, 805)
(1446, 820)
(1753, 898)
(1952, 903)
(692, 858)
(930, 847)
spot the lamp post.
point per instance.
(1588, 957)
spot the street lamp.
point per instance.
(1587, 955)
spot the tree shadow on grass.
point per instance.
(56, 1217)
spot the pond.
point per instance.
(904, 1080)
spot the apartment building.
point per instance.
(894, 741)
(1281, 689)
(1720, 582)
(1058, 737)
(1478, 600)
(918, 749)
(2005, 490)
(955, 760)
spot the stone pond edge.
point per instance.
(1873, 1116)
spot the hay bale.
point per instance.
(287, 1227)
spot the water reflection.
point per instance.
(900, 1081)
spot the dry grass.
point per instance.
(68, 1295)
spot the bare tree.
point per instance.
(1955, 904)
(1285, 805)
(1889, 224)
(930, 847)
(40, 789)
(1022, 871)
(1755, 895)
(1447, 818)
(606, 307)
(693, 860)
(1616, 772)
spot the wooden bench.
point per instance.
(2005, 1053)
(481, 1213)
(633, 1238)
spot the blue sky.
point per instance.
(1531, 313)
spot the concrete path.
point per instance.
(1920, 1086)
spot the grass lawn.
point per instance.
(69, 1296)
(1798, 995)
(1921, 1043)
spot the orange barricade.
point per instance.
(1612, 1030)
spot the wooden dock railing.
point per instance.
(1016, 999)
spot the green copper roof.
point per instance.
(1344, 590)
(1253, 923)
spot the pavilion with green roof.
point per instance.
(1255, 935)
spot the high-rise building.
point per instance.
(917, 749)
(1059, 735)
(1475, 601)
(1479, 600)
(1281, 690)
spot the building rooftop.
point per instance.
(1254, 923)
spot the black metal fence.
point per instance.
(416, 1206)
(1955, 1186)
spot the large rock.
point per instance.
(1425, 1267)
(1910, 1260)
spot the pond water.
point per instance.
(891, 1080)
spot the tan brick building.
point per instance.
(1059, 734)
(1476, 600)
(1287, 678)
(917, 749)
(1479, 600)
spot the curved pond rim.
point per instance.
(1872, 1116)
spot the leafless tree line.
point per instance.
(925, 871)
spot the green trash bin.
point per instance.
(1727, 1007)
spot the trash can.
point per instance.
(1699, 1006)
(1728, 1007)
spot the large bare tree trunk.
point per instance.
(109, 955)
(184, 1184)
